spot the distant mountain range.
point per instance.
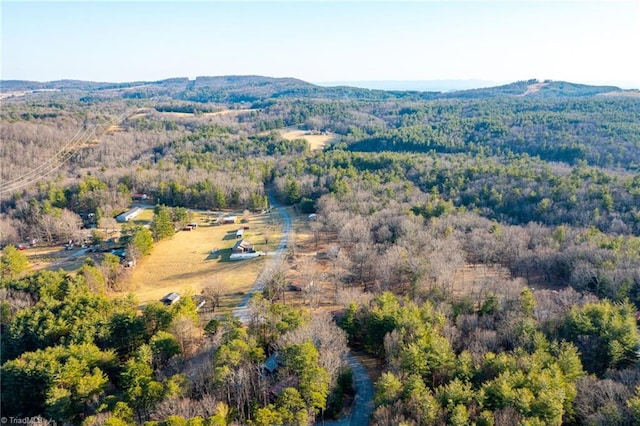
(237, 89)
(438, 85)
(415, 85)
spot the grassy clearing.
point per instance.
(315, 141)
(145, 217)
(170, 114)
(56, 258)
(185, 262)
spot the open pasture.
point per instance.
(189, 261)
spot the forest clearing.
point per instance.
(191, 261)
(316, 140)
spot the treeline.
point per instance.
(57, 214)
(189, 108)
(73, 355)
(500, 362)
(225, 169)
(602, 132)
(512, 189)
(401, 226)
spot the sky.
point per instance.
(323, 41)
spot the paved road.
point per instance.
(275, 257)
(363, 403)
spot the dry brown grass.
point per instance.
(185, 262)
(145, 217)
(315, 141)
(533, 88)
(15, 94)
(625, 94)
(170, 114)
(114, 128)
(229, 112)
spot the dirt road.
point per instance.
(276, 256)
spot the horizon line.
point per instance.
(483, 82)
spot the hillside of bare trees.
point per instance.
(415, 188)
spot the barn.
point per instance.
(129, 214)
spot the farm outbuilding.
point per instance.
(242, 246)
(230, 219)
(243, 249)
(170, 298)
(139, 196)
(129, 214)
(272, 363)
(240, 233)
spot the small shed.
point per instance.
(170, 298)
(272, 363)
(240, 233)
(230, 219)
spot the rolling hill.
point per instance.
(238, 89)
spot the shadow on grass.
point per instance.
(229, 302)
(231, 235)
(215, 254)
(224, 255)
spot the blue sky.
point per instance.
(581, 41)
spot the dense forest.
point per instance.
(537, 179)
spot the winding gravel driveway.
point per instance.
(275, 257)
(363, 402)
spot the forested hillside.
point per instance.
(417, 195)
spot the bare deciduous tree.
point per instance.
(310, 280)
(108, 223)
(274, 280)
(363, 257)
(316, 228)
(329, 339)
(445, 258)
(8, 231)
(391, 267)
(355, 231)
(188, 408)
(212, 294)
(188, 334)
